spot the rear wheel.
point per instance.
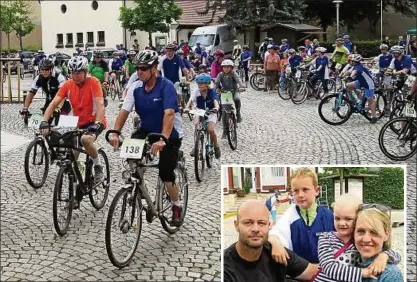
(36, 163)
(63, 201)
(335, 109)
(283, 92)
(298, 93)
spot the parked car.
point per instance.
(65, 57)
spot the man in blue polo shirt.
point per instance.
(384, 59)
(401, 64)
(155, 101)
(171, 66)
(349, 44)
(198, 49)
(294, 60)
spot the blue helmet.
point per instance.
(203, 78)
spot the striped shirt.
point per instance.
(342, 268)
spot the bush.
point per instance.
(330, 187)
(25, 48)
(367, 49)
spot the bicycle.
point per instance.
(227, 107)
(346, 100)
(184, 89)
(67, 145)
(404, 134)
(137, 154)
(290, 83)
(203, 149)
(35, 72)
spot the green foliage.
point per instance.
(387, 188)
(330, 186)
(150, 15)
(23, 24)
(367, 49)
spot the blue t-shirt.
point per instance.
(244, 56)
(324, 63)
(150, 107)
(385, 61)
(117, 65)
(172, 68)
(309, 50)
(401, 43)
(295, 61)
(198, 50)
(404, 63)
(207, 103)
(349, 46)
(391, 273)
(186, 63)
(284, 48)
(364, 77)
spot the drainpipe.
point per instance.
(124, 30)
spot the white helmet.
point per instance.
(78, 63)
(148, 57)
(321, 49)
(397, 49)
(357, 58)
(383, 46)
(228, 63)
(131, 52)
(270, 46)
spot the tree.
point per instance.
(7, 19)
(150, 16)
(23, 24)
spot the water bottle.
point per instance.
(81, 167)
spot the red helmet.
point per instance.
(219, 53)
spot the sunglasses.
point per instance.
(143, 68)
(379, 207)
(45, 69)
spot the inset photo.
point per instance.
(317, 223)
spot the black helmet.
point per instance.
(148, 57)
(46, 64)
(58, 55)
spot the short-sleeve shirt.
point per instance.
(349, 45)
(150, 106)
(208, 102)
(171, 68)
(324, 71)
(295, 61)
(405, 63)
(98, 70)
(244, 56)
(265, 269)
(364, 77)
(340, 54)
(82, 99)
(130, 66)
(385, 61)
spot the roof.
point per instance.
(191, 17)
(296, 27)
(353, 175)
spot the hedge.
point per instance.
(367, 49)
(26, 48)
(330, 187)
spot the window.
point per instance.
(277, 171)
(236, 178)
(63, 8)
(59, 40)
(101, 39)
(90, 39)
(94, 5)
(80, 40)
(217, 42)
(70, 41)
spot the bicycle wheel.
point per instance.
(209, 155)
(39, 161)
(124, 219)
(112, 92)
(99, 192)
(298, 92)
(231, 131)
(337, 106)
(399, 144)
(199, 164)
(380, 104)
(165, 205)
(63, 200)
(283, 93)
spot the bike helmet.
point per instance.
(300, 48)
(203, 78)
(321, 49)
(148, 57)
(131, 52)
(291, 51)
(228, 63)
(270, 46)
(235, 41)
(283, 40)
(46, 64)
(340, 40)
(357, 58)
(180, 52)
(346, 36)
(78, 63)
(115, 54)
(383, 46)
(84, 54)
(98, 54)
(219, 53)
(171, 46)
(397, 49)
(58, 55)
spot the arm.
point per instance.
(99, 101)
(33, 89)
(309, 272)
(217, 82)
(265, 60)
(51, 108)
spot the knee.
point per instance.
(87, 140)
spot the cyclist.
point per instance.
(86, 97)
(202, 69)
(339, 55)
(228, 80)
(245, 59)
(294, 60)
(155, 101)
(362, 78)
(59, 64)
(39, 57)
(347, 70)
(50, 82)
(321, 70)
(186, 63)
(206, 98)
(309, 47)
(302, 51)
(172, 66)
(216, 66)
(115, 67)
(400, 64)
(130, 67)
(349, 44)
(99, 69)
(237, 50)
(284, 46)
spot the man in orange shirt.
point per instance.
(86, 98)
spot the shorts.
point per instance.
(211, 118)
(97, 133)
(369, 93)
(168, 157)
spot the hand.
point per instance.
(24, 112)
(367, 273)
(44, 127)
(157, 146)
(379, 264)
(95, 127)
(105, 83)
(279, 254)
(57, 112)
(114, 140)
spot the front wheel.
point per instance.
(231, 130)
(36, 158)
(335, 109)
(99, 192)
(199, 162)
(63, 200)
(123, 228)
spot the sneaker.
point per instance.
(176, 216)
(239, 118)
(98, 174)
(217, 152)
(374, 120)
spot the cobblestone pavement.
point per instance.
(273, 132)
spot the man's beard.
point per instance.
(247, 243)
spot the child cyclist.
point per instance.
(337, 252)
(205, 98)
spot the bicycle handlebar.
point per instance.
(151, 137)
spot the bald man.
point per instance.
(250, 258)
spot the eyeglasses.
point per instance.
(379, 207)
(143, 68)
(45, 69)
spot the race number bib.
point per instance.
(298, 74)
(68, 121)
(198, 112)
(35, 120)
(410, 110)
(227, 98)
(132, 148)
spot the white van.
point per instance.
(214, 37)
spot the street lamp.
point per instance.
(381, 20)
(337, 2)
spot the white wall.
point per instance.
(80, 17)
